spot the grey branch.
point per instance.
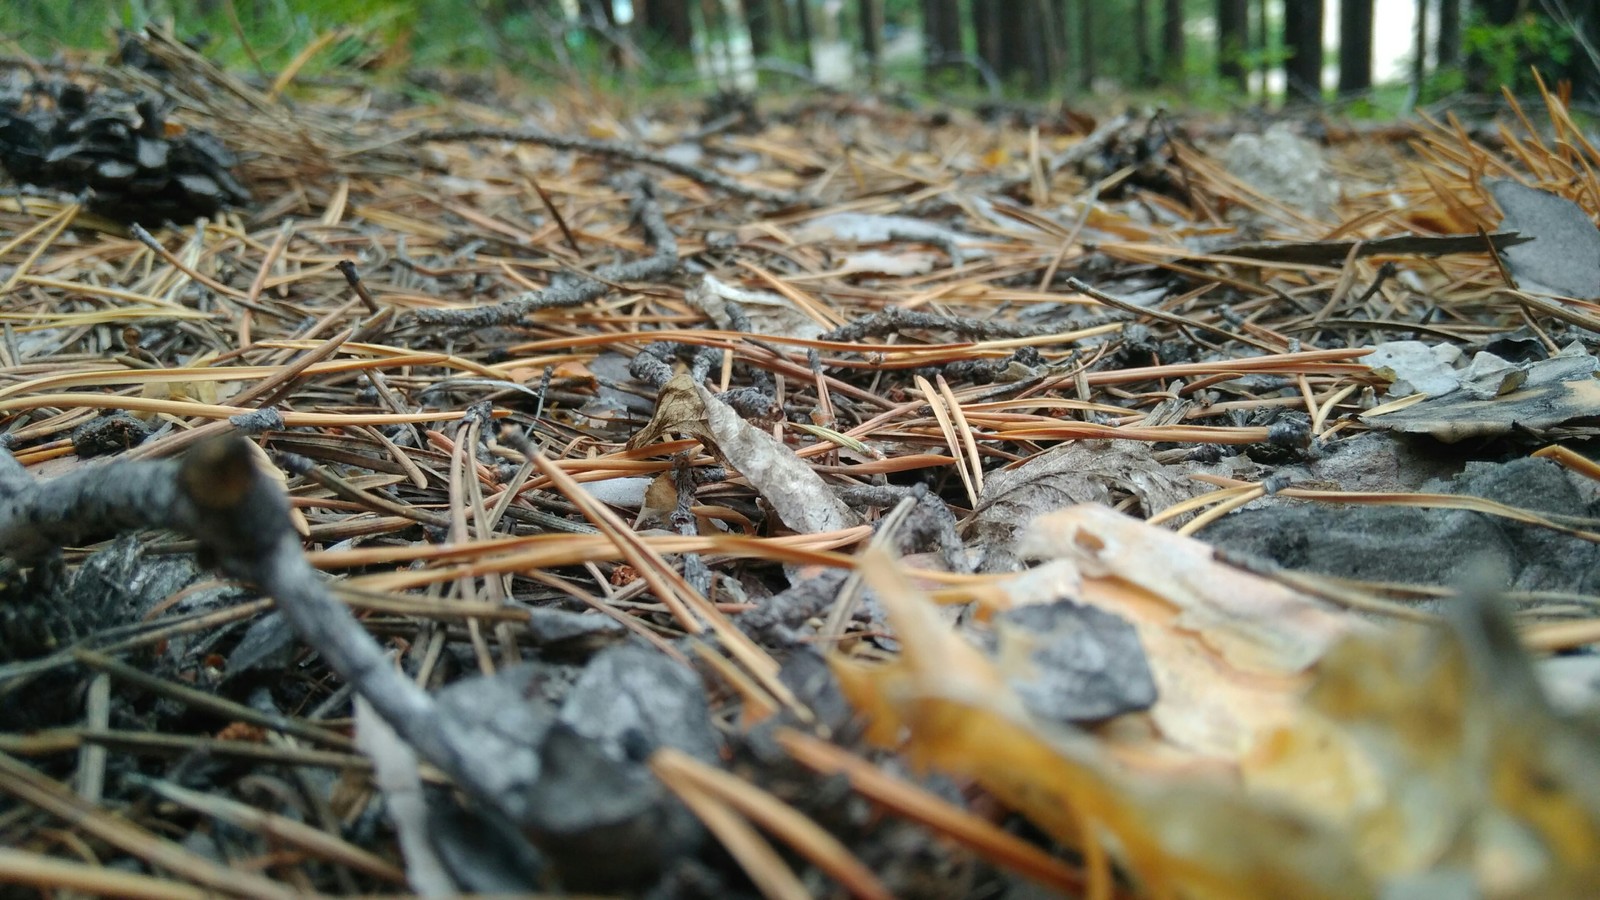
(217, 496)
(612, 150)
(580, 289)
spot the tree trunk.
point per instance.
(871, 18)
(1086, 60)
(1172, 43)
(941, 34)
(1052, 37)
(1024, 42)
(758, 19)
(986, 27)
(802, 19)
(1447, 50)
(1355, 46)
(1141, 43)
(668, 22)
(1419, 55)
(1586, 81)
(1302, 38)
(1233, 29)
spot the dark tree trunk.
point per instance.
(1419, 54)
(1233, 31)
(667, 22)
(1355, 46)
(1586, 80)
(1086, 47)
(1172, 42)
(941, 34)
(1261, 45)
(802, 19)
(1447, 51)
(1302, 38)
(1141, 43)
(986, 28)
(1014, 56)
(871, 18)
(758, 19)
(1051, 35)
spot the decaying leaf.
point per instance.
(1073, 472)
(1415, 760)
(957, 714)
(798, 495)
(679, 410)
(1226, 648)
(1460, 415)
(1564, 255)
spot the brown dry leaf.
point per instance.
(1229, 650)
(957, 714)
(1417, 762)
(679, 410)
(1073, 472)
(797, 494)
(1435, 749)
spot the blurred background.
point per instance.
(1378, 57)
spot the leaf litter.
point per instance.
(1152, 391)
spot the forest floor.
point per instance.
(833, 497)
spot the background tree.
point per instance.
(871, 17)
(1447, 49)
(1172, 42)
(941, 34)
(666, 22)
(1087, 45)
(1302, 39)
(758, 19)
(1233, 28)
(986, 32)
(1355, 46)
(1487, 15)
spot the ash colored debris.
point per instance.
(1564, 255)
(114, 586)
(116, 147)
(1372, 462)
(1073, 663)
(562, 635)
(1430, 546)
(632, 699)
(573, 775)
(1284, 167)
(1496, 396)
(268, 645)
(1416, 367)
(605, 823)
(484, 855)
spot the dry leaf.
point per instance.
(1073, 472)
(798, 495)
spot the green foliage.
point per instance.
(1505, 52)
(267, 35)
